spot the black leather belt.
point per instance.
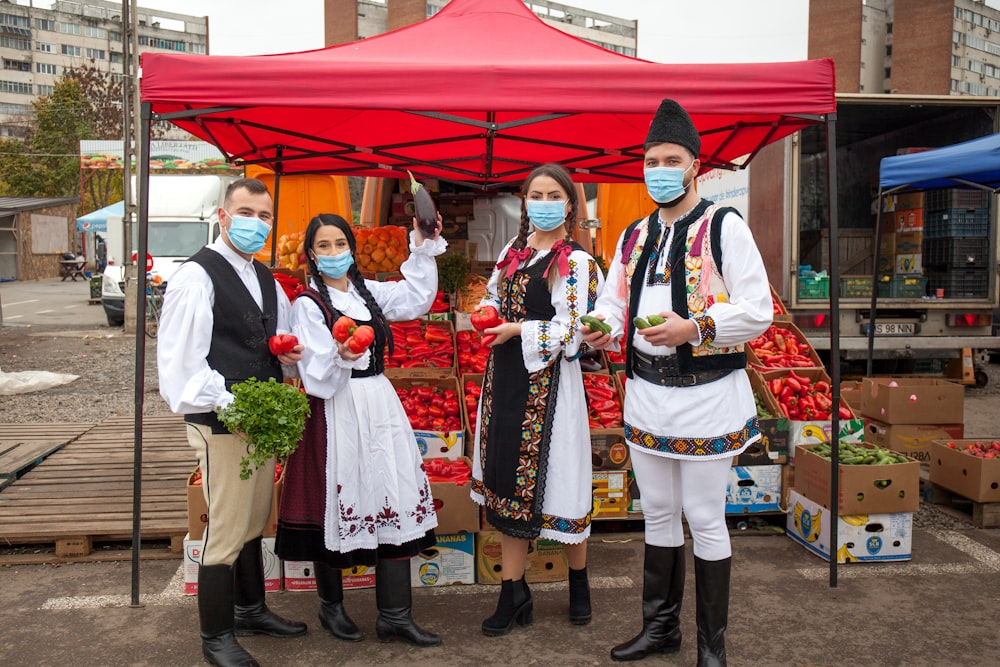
(664, 371)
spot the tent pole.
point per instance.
(142, 221)
(869, 369)
(831, 193)
(274, 218)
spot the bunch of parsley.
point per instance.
(270, 416)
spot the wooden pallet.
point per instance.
(980, 515)
(81, 494)
(23, 446)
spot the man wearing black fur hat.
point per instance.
(689, 408)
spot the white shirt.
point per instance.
(187, 383)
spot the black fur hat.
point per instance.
(672, 124)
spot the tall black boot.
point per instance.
(579, 597)
(711, 578)
(394, 600)
(215, 612)
(330, 586)
(514, 604)
(662, 593)
(252, 615)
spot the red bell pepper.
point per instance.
(282, 344)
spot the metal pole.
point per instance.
(869, 369)
(278, 167)
(831, 193)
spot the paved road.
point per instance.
(52, 302)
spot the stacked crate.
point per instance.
(903, 276)
(956, 243)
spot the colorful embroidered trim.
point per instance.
(713, 446)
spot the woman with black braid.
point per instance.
(532, 459)
(355, 492)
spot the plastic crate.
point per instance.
(957, 222)
(814, 288)
(940, 200)
(957, 252)
(903, 287)
(960, 283)
(856, 286)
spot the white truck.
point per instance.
(183, 217)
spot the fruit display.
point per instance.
(983, 449)
(472, 352)
(853, 454)
(604, 406)
(803, 399)
(431, 408)
(291, 253)
(381, 249)
(421, 344)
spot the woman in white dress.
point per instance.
(532, 460)
(355, 492)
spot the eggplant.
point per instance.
(424, 209)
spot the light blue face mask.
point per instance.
(248, 235)
(546, 215)
(665, 185)
(334, 266)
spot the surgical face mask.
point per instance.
(248, 235)
(665, 185)
(546, 215)
(334, 266)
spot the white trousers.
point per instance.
(669, 486)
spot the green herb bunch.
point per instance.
(270, 416)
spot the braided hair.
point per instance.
(353, 273)
(559, 174)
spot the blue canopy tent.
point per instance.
(97, 221)
(969, 165)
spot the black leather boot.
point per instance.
(662, 593)
(394, 600)
(215, 612)
(514, 604)
(330, 586)
(711, 578)
(579, 597)
(252, 615)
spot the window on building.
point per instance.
(196, 48)
(888, 72)
(888, 50)
(15, 43)
(9, 109)
(115, 58)
(70, 28)
(18, 87)
(46, 90)
(95, 54)
(45, 24)
(114, 36)
(15, 20)
(16, 65)
(93, 31)
(45, 68)
(888, 27)
(70, 50)
(45, 48)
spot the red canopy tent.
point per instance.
(479, 93)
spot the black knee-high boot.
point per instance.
(662, 593)
(252, 615)
(333, 617)
(514, 604)
(215, 612)
(394, 600)
(712, 594)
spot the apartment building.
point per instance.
(350, 20)
(934, 47)
(37, 45)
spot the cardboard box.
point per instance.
(786, 329)
(634, 495)
(772, 448)
(908, 243)
(914, 440)
(754, 489)
(426, 372)
(909, 264)
(850, 391)
(912, 400)
(298, 575)
(863, 489)
(608, 449)
(456, 511)
(911, 220)
(197, 508)
(860, 537)
(192, 561)
(969, 476)
(451, 561)
(610, 489)
(546, 560)
(436, 444)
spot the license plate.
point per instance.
(894, 329)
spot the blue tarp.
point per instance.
(97, 221)
(970, 164)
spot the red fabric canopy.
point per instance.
(479, 93)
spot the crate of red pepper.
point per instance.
(780, 312)
(970, 468)
(434, 409)
(772, 448)
(805, 399)
(472, 387)
(421, 348)
(615, 361)
(604, 401)
(783, 345)
(450, 483)
(472, 354)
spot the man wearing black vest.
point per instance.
(221, 308)
(689, 408)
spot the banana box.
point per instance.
(546, 560)
(192, 561)
(754, 489)
(451, 561)
(610, 489)
(298, 575)
(861, 538)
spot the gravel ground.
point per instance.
(105, 363)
